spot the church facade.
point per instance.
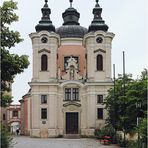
(71, 76)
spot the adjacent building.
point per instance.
(11, 117)
(71, 76)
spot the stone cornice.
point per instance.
(98, 33)
(43, 83)
(99, 83)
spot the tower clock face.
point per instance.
(44, 40)
(99, 40)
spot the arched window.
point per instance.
(44, 62)
(99, 62)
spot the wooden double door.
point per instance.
(72, 122)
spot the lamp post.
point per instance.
(138, 106)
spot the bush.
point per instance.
(6, 139)
(143, 130)
(132, 144)
(135, 144)
(105, 131)
(121, 141)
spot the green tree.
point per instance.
(122, 108)
(115, 103)
(143, 130)
(11, 64)
(6, 138)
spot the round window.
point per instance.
(99, 40)
(44, 40)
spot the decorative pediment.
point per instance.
(44, 50)
(71, 103)
(101, 50)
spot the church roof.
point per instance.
(71, 31)
(98, 23)
(71, 27)
(45, 23)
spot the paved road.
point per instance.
(26, 142)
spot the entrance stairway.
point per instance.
(72, 136)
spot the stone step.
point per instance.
(72, 136)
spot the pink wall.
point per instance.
(74, 50)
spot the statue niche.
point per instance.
(72, 70)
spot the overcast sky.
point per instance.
(127, 19)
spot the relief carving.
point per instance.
(72, 70)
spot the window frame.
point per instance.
(4, 117)
(44, 99)
(99, 62)
(44, 114)
(100, 113)
(75, 94)
(71, 94)
(67, 94)
(99, 40)
(44, 62)
(15, 113)
(100, 99)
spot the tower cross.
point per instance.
(46, 1)
(71, 3)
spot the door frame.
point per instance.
(76, 117)
(78, 120)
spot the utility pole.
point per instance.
(124, 93)
(114, 78)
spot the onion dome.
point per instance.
(45, 23)
(71, 27)
(97, 23)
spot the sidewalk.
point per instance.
(27, 142)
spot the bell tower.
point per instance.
(45, 43)
(98, 44)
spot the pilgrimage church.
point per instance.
(71, 76)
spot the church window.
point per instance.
(100, 113)
(99, 99)
(99, 40)
(99, 62)
(44, 62)
(71, 94)
(67, 58)
(44, 40)
(43, 113)
(75, 94)
(67, 94)
(43, 99)
(15, 113)
(4, 117)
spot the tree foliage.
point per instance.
(11, 64)
(143, 130)
(6, 138)
(122, 108)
